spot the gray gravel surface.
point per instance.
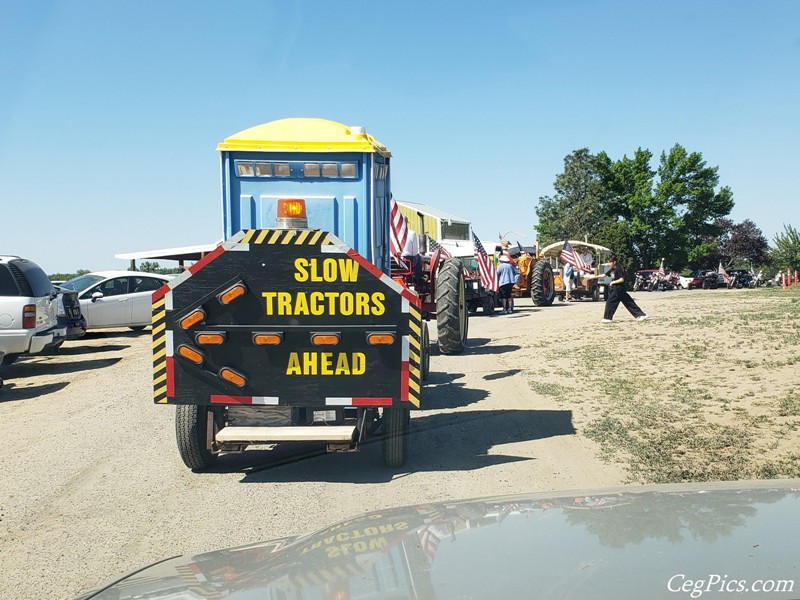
(92, 485)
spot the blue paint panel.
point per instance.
(247, 212)
(350, 222)
(342, 206)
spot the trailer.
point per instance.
(293, 329)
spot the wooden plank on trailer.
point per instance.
(328, 433)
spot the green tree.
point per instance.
(640, 213)
(786, 250)
(686, 186)
(581, 194)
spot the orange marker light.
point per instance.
(325, 339)
(232, 376)
(191, 354)
(291, 208)
(210, 339)
(232, 293)
(267, 339)
(380, 339)
(193, 318)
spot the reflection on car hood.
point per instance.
(637, 542)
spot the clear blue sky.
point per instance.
(110, 111)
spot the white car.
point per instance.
(684, 283)
(117, 298)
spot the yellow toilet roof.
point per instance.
(303, 135)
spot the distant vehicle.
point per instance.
(117, 298)
(69, 313)
(665, 541)
(28, 310)
(685, 282)
(705, 279)
(741, 278)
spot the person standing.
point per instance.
(567, 277)
(617, 293)
(507, 275)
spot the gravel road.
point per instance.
(92, 485)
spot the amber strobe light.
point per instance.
(232, 376)
(381, 338)
(193, 318)
(232, 293)
(190, 354)
(291, 214)
(291, 208)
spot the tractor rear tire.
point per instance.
(191, 426)
(452, 320)
(396, 429)
(543, 289)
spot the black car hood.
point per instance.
(653, 542)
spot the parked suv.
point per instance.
(28, 310)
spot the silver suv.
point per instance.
(28, 310)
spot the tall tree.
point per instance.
(786, 250)
(745, 244)
(581, 193)
(686, 185)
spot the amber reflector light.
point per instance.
(210, 339)
(324, 339)
(232, 293)
(232, 376)
(380, 339)
(193, 318)
(267, 339)
(190, 354)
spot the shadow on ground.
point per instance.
(13, 393)
(46, 367)
(439, 442)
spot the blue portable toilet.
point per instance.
(341, 172)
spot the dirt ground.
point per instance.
(543, 399)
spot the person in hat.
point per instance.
(507, 275)
(617, 293)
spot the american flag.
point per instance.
(661, 270)
(721, 270)
(398, 232)
(433, 246)
(488, 272)
(570, 257)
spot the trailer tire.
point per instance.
(396, 429)
(452, 319)
(543, 289)
(191, 426)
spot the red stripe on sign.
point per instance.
(160, 292)
(375, 271)
(372, 401)
(404, 381)
(170, 377)
(412, 297)
(205, 260)
(231, 399)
